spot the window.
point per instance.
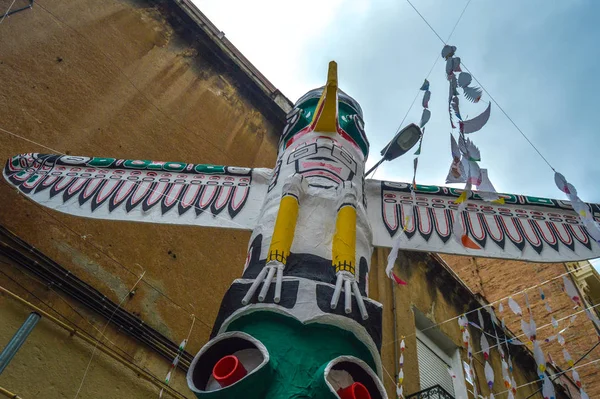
(433, 366)
(439, 359)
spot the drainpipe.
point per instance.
(394, 331)
(9, 394)
(18, 340)
(101, 346)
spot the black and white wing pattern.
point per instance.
(522, 228)
(141, 190)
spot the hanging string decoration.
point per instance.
(425, 116)
(174, 364)
(571, 291)
(399, 388)
(594, 319)
(485, 348)
(507, 366)
(559, 337)
(567, 357)
(546, 304)
(489, 377)
(514, 306)
(583, 210)
(530, 330)
(577, 380)
(548, 388)
(465, 154)
(506, 373)
(463, 322)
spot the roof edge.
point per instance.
(234, 55)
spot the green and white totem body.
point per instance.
(301, 305)
(299, 323)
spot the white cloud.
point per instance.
(274, 35)
(536, 58)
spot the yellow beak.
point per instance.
(326, 114)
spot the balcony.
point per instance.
(435, 392)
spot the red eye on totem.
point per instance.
(352, 378)
(228, 370)
(354, 391)
(231, 359)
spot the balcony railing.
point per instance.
(435, 392)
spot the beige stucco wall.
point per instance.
(52, 364)
(120, 82)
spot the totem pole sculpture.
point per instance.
(299, 323)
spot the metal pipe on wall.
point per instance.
(15, 343)
(100, 346)
(51, 273)
(9, 394)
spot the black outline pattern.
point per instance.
(119, 185)
(516, 222)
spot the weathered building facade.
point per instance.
(137, 79)
(130, 79)
(493, 279)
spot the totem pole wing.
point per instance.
(143, 191)
(522, 228)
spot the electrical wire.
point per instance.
(102, 333)
(542, 326)
(82, 293)
(7, 11)
(486, 91)
(437, 58)
(75, 326)
(72, 323)
(488, 305)
(123, 352)
(98, 248)
(79, 291)
(553, 375)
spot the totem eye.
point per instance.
(354, 391)
(228, 360)
(351, 378)
(228, 371)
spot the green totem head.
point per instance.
(269, 355)
(350, 125)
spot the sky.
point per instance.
(538, 59)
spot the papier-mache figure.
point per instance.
(299, 323)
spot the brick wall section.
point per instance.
(495, 279)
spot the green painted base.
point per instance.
(298, 354)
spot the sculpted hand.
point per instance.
(348, 280)
(269, 271)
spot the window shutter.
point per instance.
(432, 369)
